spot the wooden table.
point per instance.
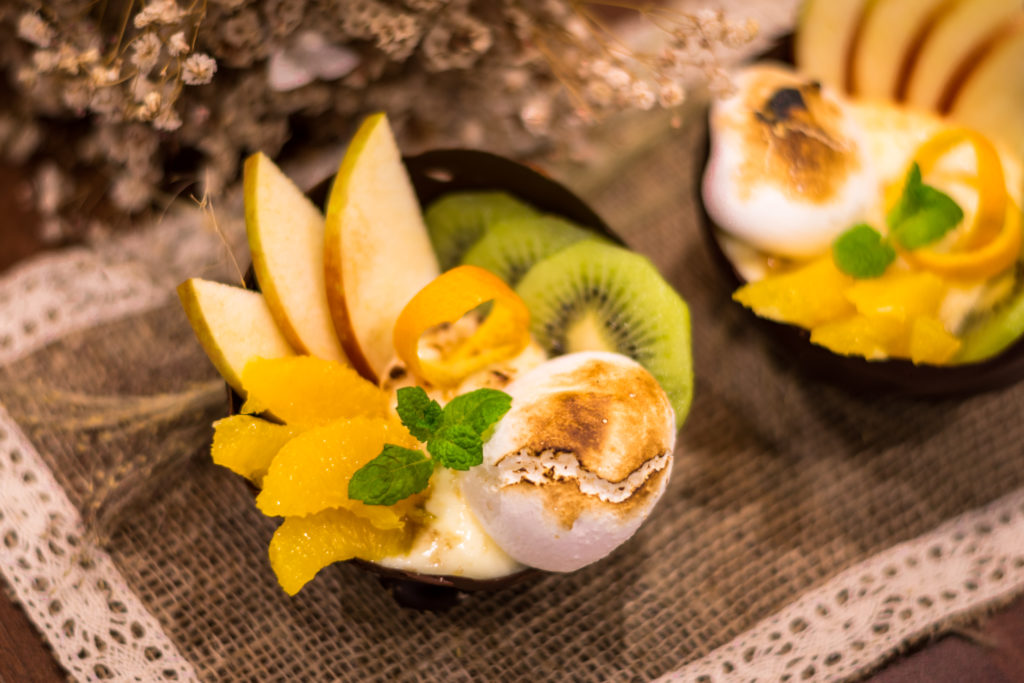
(991, 653)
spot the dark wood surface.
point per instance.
(991, 652)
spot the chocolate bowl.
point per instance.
(890, 376)
(434, 174)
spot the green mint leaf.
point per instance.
(478, 409)
(457, 447)
(395, 474)
(419, 413)
(937, 215)
(861, 253)
(923, 214)
(909, 200)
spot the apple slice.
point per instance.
(826, 32)
(233, 325)
(890, 35)
(991, 98)
(951, 46)
(377, 254)
(286, 239)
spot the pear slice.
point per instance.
(286, 239)
(377, 253)
(950, 47)
(890, 34)
(825, 37)
(991, 98)
(233, 325)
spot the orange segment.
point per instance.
(247, 445)
(898, 294)
(873, 338)
(304, 391)
(930, 342)
(503, 333)
(808, 296)
(311, 472)
(302, 546)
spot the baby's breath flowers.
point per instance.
(194, 85)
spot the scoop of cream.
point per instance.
(788, 169)
(577, 463)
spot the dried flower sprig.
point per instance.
(173, 89)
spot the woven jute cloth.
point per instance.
(780, 484)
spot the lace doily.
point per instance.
(865, 614)
(96, 626)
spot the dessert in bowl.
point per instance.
(878, 244)
(462, 394)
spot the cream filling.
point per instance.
(540, 468)
(453, 543)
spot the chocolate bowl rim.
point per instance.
(891, 376)
(433, 174)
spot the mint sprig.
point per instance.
(454, 436)
(922, 216)
(861, 252)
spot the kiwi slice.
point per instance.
(511, 247)
(990, 330)
(457, 220)
(596, 296)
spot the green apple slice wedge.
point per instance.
(951, 47)
(286, 239)
(991, 98)
(377, 253)
(233, 325)
(826, 33)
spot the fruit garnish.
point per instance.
(454, 436)
(991, 241)
(377, 254)
(246, 445)
(286, 239)
(503, 333)
(457, 220)
(593, 296)
(807, 296)
(302, 546)
(233, 325)
(311, 472)
(304, 391)
(512, 246)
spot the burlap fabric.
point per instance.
(780, 483)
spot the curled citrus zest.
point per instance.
(503, 333)
(988, 220)
(985, 261)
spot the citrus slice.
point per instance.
(312, 471)
(302, 546)
(304, 391)
(930, 342)
(808, 296)
(504, 333)
(247, 445)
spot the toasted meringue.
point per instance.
(577, 464)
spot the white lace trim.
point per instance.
(47, 298)
(862, 616)
(96, 626)
(74, 594)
